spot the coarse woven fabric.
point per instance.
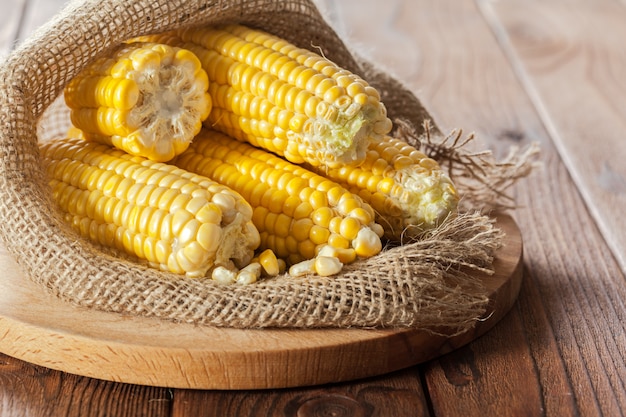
(418, 285)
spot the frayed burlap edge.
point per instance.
(422, 285)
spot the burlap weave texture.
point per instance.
(418, 285)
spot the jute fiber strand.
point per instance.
(418, 285)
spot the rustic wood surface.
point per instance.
(514, 72)
(42, 329)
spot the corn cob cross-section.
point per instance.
(297, 212)
(409, 191)
(175, 220)
(282, 98)
(146, 99)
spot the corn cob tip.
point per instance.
(345, 140)
(409, 192)
(288, 100)
(296, 211)
(147, 99)
(428, 197)
(170, 218)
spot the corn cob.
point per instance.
(287, 100)
(146, 99)
(297, 213)
(409, 191)
(175, 220)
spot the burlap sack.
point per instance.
(419, 285)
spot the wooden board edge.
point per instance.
(355, 354)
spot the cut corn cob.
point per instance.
(175, 220)
(284, 99)
(296, 212)
(146, 99)
(409, 191)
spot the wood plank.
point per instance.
(33, 391)
(27, 389)
(567, 307)
(570, 312)
(571, 59)
(10, 20)
(397, 394)
(45, 330)
(583, 304)
(591, 299)
(526, 337)
(455, 85)
(484, 367)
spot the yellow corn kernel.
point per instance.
(186, 229)
(294, 217)
(344, 255)
(366, 243)
(264, 88)
(282, 266)
(269, 262)
(408, 191)
(147, 99)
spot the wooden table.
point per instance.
(514, 72)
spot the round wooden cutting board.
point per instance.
(41, 329)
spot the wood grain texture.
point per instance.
(569, 315)
(431, 48)
(585, 302)
(33, 391)
(513, 71)
(42, 329)
(485, 367)
(571, 62)
(397, 394)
